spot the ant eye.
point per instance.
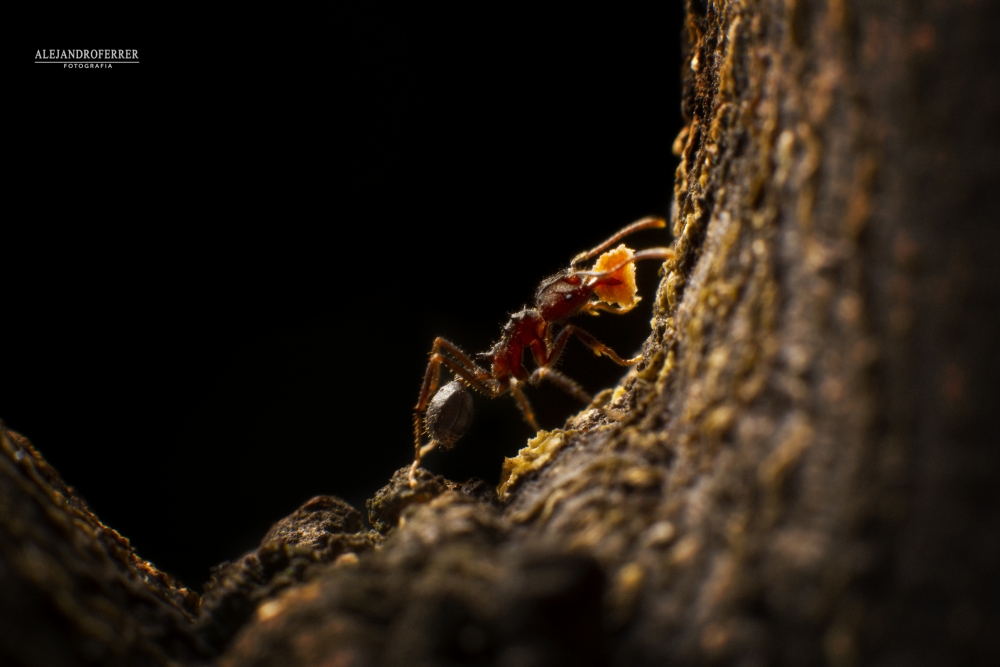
(569, 297)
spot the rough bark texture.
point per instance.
(72, 591)
(803, 469)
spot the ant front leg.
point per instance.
(593, 307)
(587, 339)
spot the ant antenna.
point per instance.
(652, 253)
(638, 225)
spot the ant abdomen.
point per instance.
(449, 414)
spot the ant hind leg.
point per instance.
(462, 367)
(419, 454)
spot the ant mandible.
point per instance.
(609, 286)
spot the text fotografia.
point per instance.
(87, 58)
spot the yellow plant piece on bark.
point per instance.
(623, 294)
(534, 456)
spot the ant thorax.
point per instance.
(507, 355)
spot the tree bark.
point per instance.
(802, 470)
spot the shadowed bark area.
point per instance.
(72, 591)
(802, 470)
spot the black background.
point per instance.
(223, 268)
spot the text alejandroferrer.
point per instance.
(77, 55)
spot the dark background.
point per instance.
(225, 266)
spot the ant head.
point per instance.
(562, 295)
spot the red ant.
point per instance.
(608, 286)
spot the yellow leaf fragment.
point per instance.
(534, 456)
(624, 293)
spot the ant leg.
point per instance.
(638, 225)
(545, 360)
(432, 376)
(481, 383)
(456, 352)
(600, 348)
(617, 310)
(571, 387)
(420, 452)
(476, 377)
(587, 339)
(522, 402)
